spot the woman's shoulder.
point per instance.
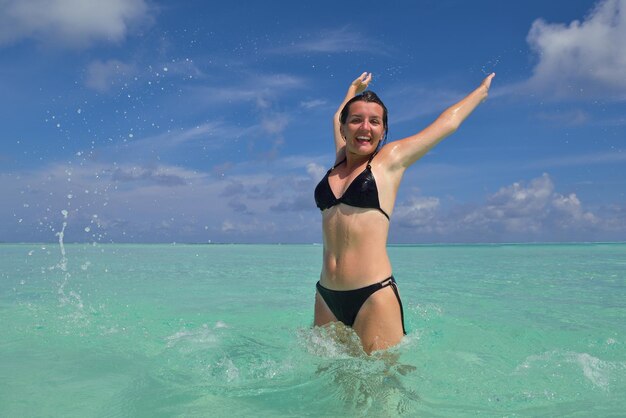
(389, 157)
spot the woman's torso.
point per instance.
(355, 238)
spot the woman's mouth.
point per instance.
(363, 139)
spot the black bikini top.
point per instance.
(361, 193)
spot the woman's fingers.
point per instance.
(362, 81)
(487, 81)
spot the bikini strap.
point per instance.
(387, 282)
(338, 164)
(369, 162)
(392, 282)
(369, 166)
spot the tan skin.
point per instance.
(355, 239)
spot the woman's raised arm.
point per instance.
(358, 86)
(405, 152)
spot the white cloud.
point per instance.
(156, 202)
(517, 212)
(341, 40)
(255, 88)
(71, 23)
(570, 212)
(310, 104)
(134, 202)
(413, 102)
(316, 171)
(418, 212)
(243, 228)
(533, 209)
(274, 123)
(208, 137)
(215, 130)
(575, 117)
(520, 201)
(148, 175)
(582, 59)
(614, 157)
(102, 75)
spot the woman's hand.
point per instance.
(360, 84)
(487, 82)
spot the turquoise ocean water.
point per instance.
(224, 330)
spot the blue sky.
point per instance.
(154, 121)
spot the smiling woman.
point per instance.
(356, 284)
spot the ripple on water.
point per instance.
(563, 365)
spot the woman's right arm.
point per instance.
(358, 86)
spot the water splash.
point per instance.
(490, 66)
(63, 262)
(598, 372)
(190, 341)
(70, 298)
(373, 384)
(333, 341)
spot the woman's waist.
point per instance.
(352, 272)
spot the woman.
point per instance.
(356, 285)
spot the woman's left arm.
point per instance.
(405, 152)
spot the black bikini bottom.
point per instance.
(346, 304)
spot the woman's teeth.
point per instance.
(364, 138)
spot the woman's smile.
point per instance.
(364, 125)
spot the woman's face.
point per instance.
(364, 128)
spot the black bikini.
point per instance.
(361, 193)
(346, 304)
